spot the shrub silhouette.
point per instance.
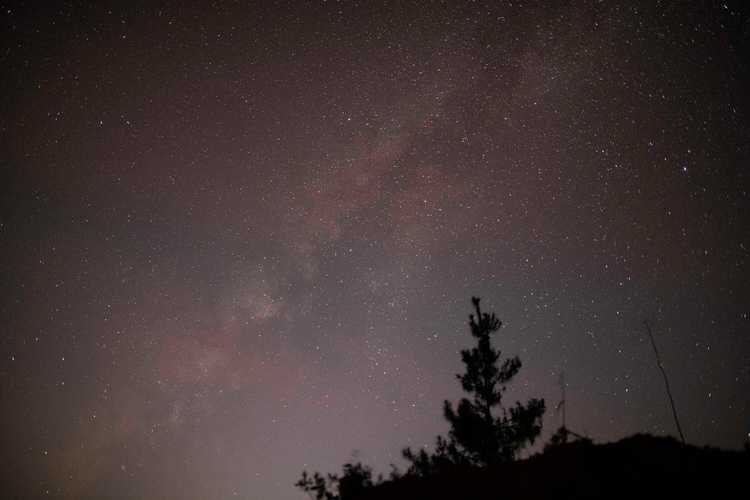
(354, 480)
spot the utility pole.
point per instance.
(561, 407)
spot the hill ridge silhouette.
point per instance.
(641, 465)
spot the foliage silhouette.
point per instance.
(477, 436)
(563, 436)
(354, 480)
(477, 458)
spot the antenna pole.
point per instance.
(562, 384)
(666, 382)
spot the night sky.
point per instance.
(236, 242)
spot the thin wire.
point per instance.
(666, 382)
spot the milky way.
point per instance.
(241, 241)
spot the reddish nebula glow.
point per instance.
(239, 241)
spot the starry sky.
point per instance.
(238, 241)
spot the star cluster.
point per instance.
(239, 241)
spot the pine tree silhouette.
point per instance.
(482, 432)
